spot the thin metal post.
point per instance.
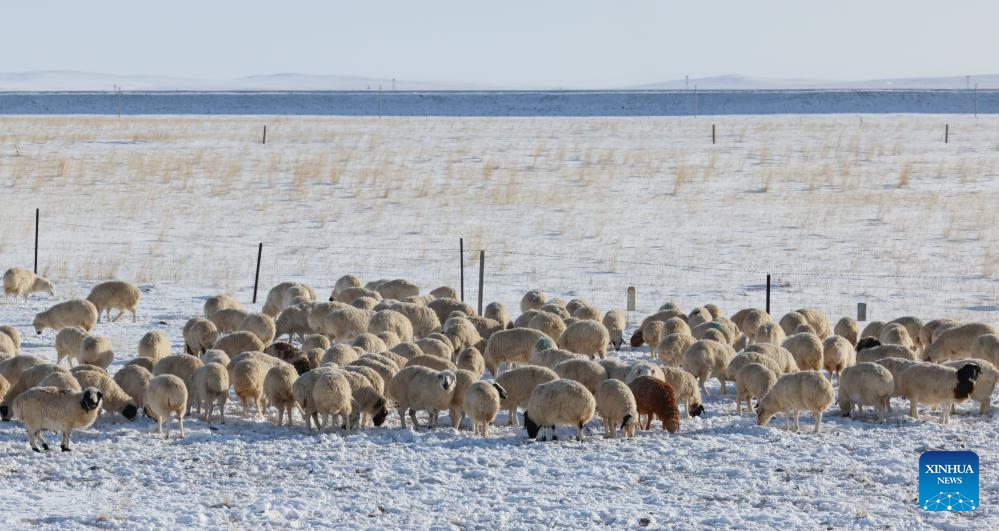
(461, 259)
(946, 133)
(768, 294)
(36, 239)
(265, 135)
(482, 274)
(712, 133)
(256, 277)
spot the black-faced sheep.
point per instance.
(561, 402)
(616, 405)
(519, 384)
(482, 403)
(932, 385)
(54, 409)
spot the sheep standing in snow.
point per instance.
(286, 292)
(10, 340)
(482, 403)
(343, 283)
(96, 350)
(277, 388)
(615, 322)
(114, 397)
(21, 282)
(166, 397)
(445, 307)
(211, 388)
(794, 393)
(74, 312)
(549, 323)
(818, 321)
(532, 300)
(391, 321)
(28, 378)
(562, 402)
(685, 388)
(462, 333)
(497, 312)
(519, 384)
(932, 385)
(779, 354)
(745, 358)
(644, 368)
(227, 319)
(421, 388)
(807, 351)
(456, 410)
(848, 328)
(67, 344)
(912, 325)
(12, 368)
(585, 337)
(837, 355)
(955, 343)
(671, 347)
(154, 345)
(616, 404)
(655, 397)
(471, 359)
(985, 383)
(865, 384)
(134, 380)
(510, 346)
(220, 302)
(790, 321)
(53, 409)
(238, 342)
(896, 334)
(115, 295)
(932, 329)
(293, 321)
(769, 333)
(367, 397)
(200, 334)
(753, 380)
(875, 353)
(873, 329)
(587, 372)
(708, 359)
(259, 324)
(182, 366)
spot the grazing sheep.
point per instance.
(707, 359)
(519, 384)
(221, 302)
(422, 319)
(368, 401)
(873, 329)
(182, 366)
(342, 324)
(955, 343)
(837, 355)
(211, 387)
(510, 346)
(482, 403)
(848, 328)
(685, 389)
(312, 341)
(790, 321)
(5, 387)
(806, 349)
(284, 351)
(332, 399)
(462, 381)
(933, 328)
(532, 300)
(61, 380)
(433, 362)
(145, 363)
(383, 366)
(912, 326)
(462, 333)
(865, 384)
(654, 397)
(616, 404)
(932, 385)
(698, 316)
(561, 402)
(67, 344)
(237, 342)
(673, 325)
(471, 359)
(644, 368)
(350, 295)
(445, 307)
(616, 368)
(896, 334)
(753, 380)
(817, 320)
(299, 294)
(96, 350)
(751, 321)
(391, 321)
(28, 378)
(804, 328)
(167, 396)
(585, 371)
(553, 356)
(215, 356)
(551, 324)
(985, 383)
(339, 354)
(745, 358)
(200, 334)
(769, 333)
(793, 393)
(524, 319)
(410, 350)
(247, 377)
(302, 391)
(115, 295)
(615, 322)
(445, 292)
(873, 354)
(343, 283)
(585, 311)
(895, 366)
(134, 380)
(291, 293)
(21, 282)
(12, 368)
(585, 337)
(497, 312)
(228, 319)
(866, 342)
(653, 331)
(115, 398)
(293, 321)
(671, 347)
(985, 347)
(74, 312)
(398, 289)
(154, 345)
(421, 388)
(10, 340)
(369, 343)
(484, 326)
(660, 316)
(54, 409)
(277, 389)
(434, 346)
(259, 324)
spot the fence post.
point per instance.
(482, 274)
(946, 133)
(768, 294)
(461, 259)
(861, 311)
(712, 133)
(36, 240)
(631, 298)
(256, 277)
(265, 135)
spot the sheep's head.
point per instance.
(130, 411)
(447, 380)
(628, 425)
(5, 413)
(502, 392)
(379, 417)
(531, 426)
(301, 364)
(92, 399)
(763, 414)
(43, 284)
(39, 324)
(867, 342)
(696, 410)
(617, 343)
(637, 339)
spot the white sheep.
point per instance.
(259, 324)
(422, 319)
(806, 349)
(10, 340)
(391, 321)
(585, 371)
(671, 347)
(339, 354)
(456, 410)
(616, 368)
(97, 351)
(367, 397)
(312, 341)
(553, 356)
(481, 403)
(985, 383)
(67, 344)
(744, 358)
(343, 283)
(519, 384)
(462, 333)
(167, 396)
(54, 409)
(421, 388)
(932, 329)
(379, 364)
(818, 321)
(865, 384)
(749, 320)
(211, 387)
(293, 321)
(837, 355)
(398, 289)
(286, 292)
(444, 307)
(277, 388)
(532, 300)
(685, 389)
(616, 405)
(134, 380)
(237, 342)
(644, 368)
(790, 321)
(247, 378)
(937, 385)
(432, 362)
(114, 397)
(115, 295)
(885, 351)
(471, 359)
(154, 345)
(28, 378)
(955, 343)
(912, 325)
(511, 346)
(227, 319)
(562, 402)
(434, 346)
(707, 359)
(497, 312)
(200, 334)
(74, 312)
(215, 356)
(342, 324)
(21, 282)
(182, 366)
(585, 337)
(769, 333)
(302, 391)
(873, 329)
(896, 334)
(793, 393)
(985, 347)
(12, 368)
(220, 302)
(753, 380)
(848, 328)
(61, 380)
(615, 322)
(369, 343)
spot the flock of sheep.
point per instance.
(382, 345)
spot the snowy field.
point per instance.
(838, 209)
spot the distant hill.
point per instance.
(735, 82)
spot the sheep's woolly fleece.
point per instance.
(722, 470)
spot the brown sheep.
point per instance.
(656, 397)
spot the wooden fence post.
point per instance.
(256, 277)
(482, 274)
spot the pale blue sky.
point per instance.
(513, 42)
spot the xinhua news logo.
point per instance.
(948, 481)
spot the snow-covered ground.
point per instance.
(839, 210)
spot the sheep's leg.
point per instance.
(402, 416)
(912, 408)
(945, 413)
(648, 423)
(291, 420)
(723, 386)
(579, 432)
(280, 416)
(115, 320)
(984, 409)
(738, 406)
(33, 437)
(818, 421)
(700, 383)
(412, 415)
(485, 429)
(787, 419)
(65, 441)
(169, 417)
(512, 418)
(797, 427)
(133, 315)
(180, 420)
